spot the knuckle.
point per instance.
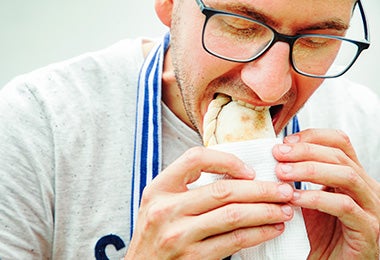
(345, 139)
(311, 170)
(264, 190)
(270, 212)
(315, 199)
(265, 232)
(232, 215)
(375, 226)
(340, 156)
(190, 253)
(353, 178)
(239, 238)
(157, 213)
(311, 132)
(194, 154)
(307, 149)
(170, 240)
(348, 205)
(369, 237)
(232, 160)
(147, 195)
(221, 190)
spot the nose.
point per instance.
(270, 76)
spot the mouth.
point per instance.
(274, 110)
(275, 113)
(229, 119)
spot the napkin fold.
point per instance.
(293, 244)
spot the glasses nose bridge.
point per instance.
(278, 37)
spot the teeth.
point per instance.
(260, 109)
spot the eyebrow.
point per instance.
(249, 12)
(336, 24)
(333, 23)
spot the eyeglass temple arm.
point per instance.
(200, 4)
(365, 22)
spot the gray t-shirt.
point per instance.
(66, 151)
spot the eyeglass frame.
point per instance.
(208, 12)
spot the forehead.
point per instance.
(290, 15)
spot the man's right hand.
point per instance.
(212, 221)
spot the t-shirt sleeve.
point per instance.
(26, 175)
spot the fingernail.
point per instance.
(287, 210)
(250, 172)
(296, 195)
(285, 148)
(286, 168)
(292, 139)
(285, 189)
(279, 226)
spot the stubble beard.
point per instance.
(187, 91)
(181, 68)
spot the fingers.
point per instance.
(335, 176)
(342, 178)
(327, 157)
(198, 223)
(187, 168)
(175, 244)
(214, 197)
(178, 219)
(323, 145)
(356, 221)
(222, 232)
(325, 137)
(223, 192)
(329, 166)
(243, 208)
(236, 240)
(295, 152)
(239, 216)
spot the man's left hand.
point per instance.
(342, 218)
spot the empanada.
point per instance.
(228, 120)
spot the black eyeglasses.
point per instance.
(238, 38)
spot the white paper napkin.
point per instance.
(293, 243)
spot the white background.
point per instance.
(34, 33)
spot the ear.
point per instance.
(164, 9)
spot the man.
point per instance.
(78, 149)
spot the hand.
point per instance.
(342, 219)
(212, 221)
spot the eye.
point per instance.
(313, 42)
(238, 27)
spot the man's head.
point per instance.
(270, 79)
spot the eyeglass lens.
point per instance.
(238, 39)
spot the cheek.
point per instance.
(305, 88)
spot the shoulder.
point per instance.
(121, 60)
(342, 89)
(338, 101)
(84, 92)
(94, 76)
